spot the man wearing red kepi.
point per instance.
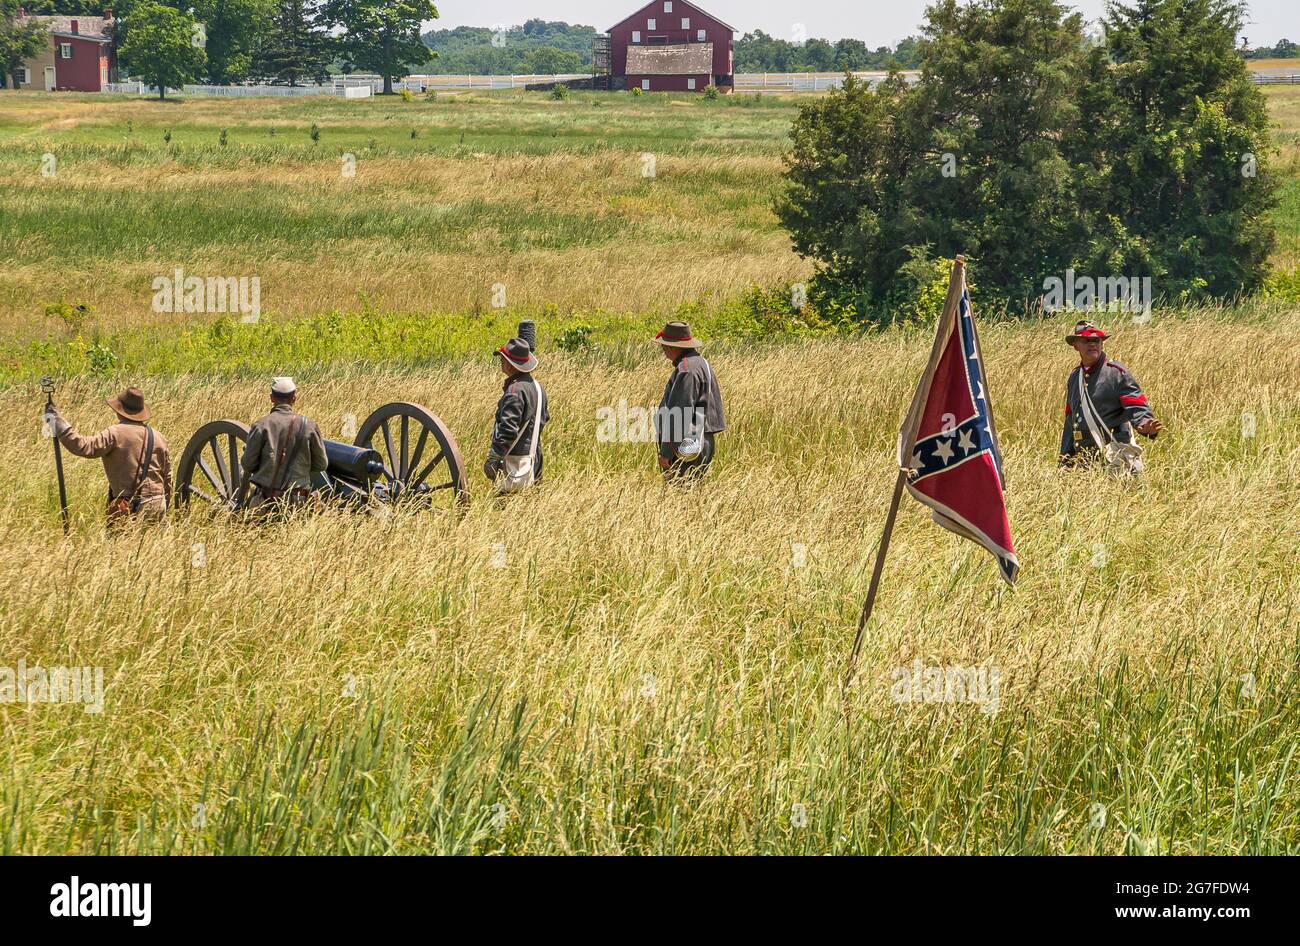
(1103, 404)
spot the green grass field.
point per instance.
(608, 665)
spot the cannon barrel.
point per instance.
(352, 462)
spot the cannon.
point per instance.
(403, 454)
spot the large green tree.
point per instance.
(381, 36)
(20, 41)
(1181, 138)
(231, 29)
(1033, 151)
(294, 46)
(161, 46)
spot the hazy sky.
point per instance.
(877, 22)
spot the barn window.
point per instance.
(645, 85)
(668, 6)
(699, 35)
(650, 23)
(65, 50)
(690, 84)
(686, 22)
(636, 36)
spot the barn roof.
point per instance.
(657, 3)
(686, 59)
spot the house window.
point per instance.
(645, 85)
(636, 36)
(686, 22)
(699, 35)
(65, 50)
(690, 84)
(650, 23)
(24, 76)
(668, 6)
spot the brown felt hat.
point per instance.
(129, 404)
(677, 335)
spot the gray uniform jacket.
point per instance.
(691, 406)
(515, 412)
(277, 431)
(1118, 399)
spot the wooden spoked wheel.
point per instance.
(422, 462)
(209, 468)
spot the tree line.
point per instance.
(229, 41)
(537, 47)
(1144, 153)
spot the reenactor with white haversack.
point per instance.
(1103, 406)
(690, 413)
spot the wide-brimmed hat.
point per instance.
(129, 404)
(1085, 329)
(518, 354)
(677, 335)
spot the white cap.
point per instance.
(283, 386)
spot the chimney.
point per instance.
(74, 26)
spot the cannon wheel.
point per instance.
(421, 457)
(209, 467)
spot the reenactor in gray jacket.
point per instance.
(690, 413)
(514, 459)
(284, 449)
(1118, 400)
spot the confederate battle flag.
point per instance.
(948, 443)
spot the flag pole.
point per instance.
(875, 574)
(956, 282)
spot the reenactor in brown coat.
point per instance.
(284, 449)
(137, 460)
(1115, 405)
(691, 410)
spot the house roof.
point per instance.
(659, 4)
(89, 38)
(88, 27)
(684, 59)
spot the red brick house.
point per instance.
(81, 56)
(671, 46)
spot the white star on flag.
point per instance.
(943, 451)
(980, 386)
(965, 442)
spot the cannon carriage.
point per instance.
(403, 453)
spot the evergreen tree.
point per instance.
(1183, 135)
(293, 48)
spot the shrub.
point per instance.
(575, 337)
(407, 95)
(73, 315)
(560, 92)
(636, 90)
(711, 92)
(314, 132)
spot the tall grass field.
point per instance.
(608, 664)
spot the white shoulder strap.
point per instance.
(1101, 434)
(537, 418)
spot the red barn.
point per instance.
(671, 46)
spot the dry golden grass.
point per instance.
(662, 673)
